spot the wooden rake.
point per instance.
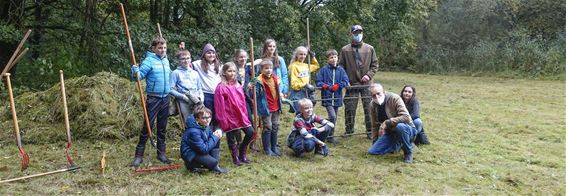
(24, 157)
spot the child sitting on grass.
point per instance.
(305, 137)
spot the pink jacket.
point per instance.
(230, 107)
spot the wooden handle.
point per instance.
(8, 65)
(13, 108)
(140, 91)
(41, 174)
(66, 111)
(159, 30)
(254, 96)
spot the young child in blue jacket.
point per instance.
(155, 70)
(200, 147)
(332, 78)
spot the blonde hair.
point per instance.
(265, 62)
(183, 52)
(237, 53)
(225, 68)
(304, 102)
(297, 50)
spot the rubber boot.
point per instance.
(220, 170)
(138, 160)
(266, 141)
(243, 152)
(273, 141)
(161, 154)
(234, 153)
(331, 139)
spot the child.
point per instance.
(185, 85)
(300, 75)
(305, 137)
(155, 69)
(331, 79)
(208, 69)
(200, 147)
(231, 113)
(279, 66)
(268, 106)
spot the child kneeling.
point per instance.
(305, 137)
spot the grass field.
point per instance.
(489, 136)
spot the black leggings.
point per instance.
(234, 137)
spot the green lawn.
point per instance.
(489, 136)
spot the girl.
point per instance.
(208, 69)
(232, 115)
(409, 95)
(300, 75)
(279, 66)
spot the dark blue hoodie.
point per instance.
(197, 140)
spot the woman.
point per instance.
(409, 95)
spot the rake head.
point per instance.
(24, 158)
(69, 159)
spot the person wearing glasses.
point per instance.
(200, 146)
(391, 123)
(186, 86)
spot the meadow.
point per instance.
(488, 135)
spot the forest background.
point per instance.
(504, 38)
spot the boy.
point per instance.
(305, 137)
(155, 69)
(332, 79)
(268, 106)
(185, 85)
(200, 147)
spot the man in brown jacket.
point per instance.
(360, 62)
(391, 122)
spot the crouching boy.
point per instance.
(305, 137)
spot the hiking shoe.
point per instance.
(408, 158)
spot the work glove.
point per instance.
(193, 99)
(325, 86)
(186, 98)
(334, 87)
(309, 87)
(312, 53)
(135, 70)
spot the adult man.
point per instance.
(360, 62)
(391, 121)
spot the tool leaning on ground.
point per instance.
(24, 157)
(66, 115)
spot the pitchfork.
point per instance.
(24, 158)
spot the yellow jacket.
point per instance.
(299, 73)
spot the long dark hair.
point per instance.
(412, 97)
(275, 58)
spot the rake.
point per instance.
(66, 112)
(24, 157)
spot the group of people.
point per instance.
(216, 99)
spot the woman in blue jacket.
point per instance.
(200, 147)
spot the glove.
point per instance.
(193, 99)
(330, 124)
(325, 86)
(135, 70)
(186, 98)
(312, 53)
(334, 88)
(309, 87)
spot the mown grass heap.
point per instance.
(104, 106)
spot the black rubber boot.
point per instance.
(161, 154)
(273, 139)
(220, 170)
(138, 160)
(421, 138)
(266, 142)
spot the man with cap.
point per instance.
(360, 62)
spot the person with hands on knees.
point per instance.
(186, 85)
(200, 146)
(360, 62)
(155, 70)
(300, 76)
(332, 79)
(392, 126)
(305, 136)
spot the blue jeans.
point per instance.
(209, 103)
(332, 114)
(418, 124)
(399, 137)
(301, 145)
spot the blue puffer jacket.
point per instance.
(331, 75)
(156, 71)
(197, 140)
